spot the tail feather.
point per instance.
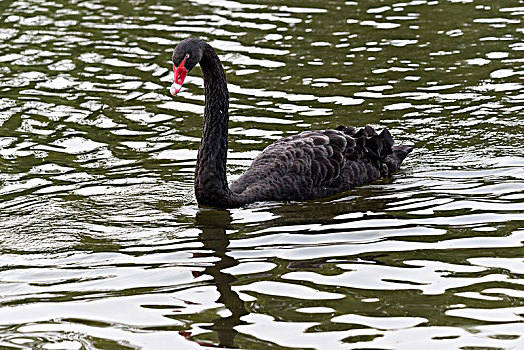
(394, 160)
(379, 147)
(375, 146)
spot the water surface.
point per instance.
(103, 245)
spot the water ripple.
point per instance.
(104, 246)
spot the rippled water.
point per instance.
(104, 247)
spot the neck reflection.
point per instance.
(213, 224)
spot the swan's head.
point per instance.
(186, 56)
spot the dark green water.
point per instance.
(104, 247)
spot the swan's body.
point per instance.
(312, 164)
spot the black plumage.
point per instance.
(312, 164)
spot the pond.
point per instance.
(103, 245)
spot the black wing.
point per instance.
(316, 164)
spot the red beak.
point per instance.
(180, 75)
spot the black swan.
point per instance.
(310, 165)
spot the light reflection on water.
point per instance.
(103, 245)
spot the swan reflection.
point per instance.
(213, 224)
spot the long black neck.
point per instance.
(211, 187)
